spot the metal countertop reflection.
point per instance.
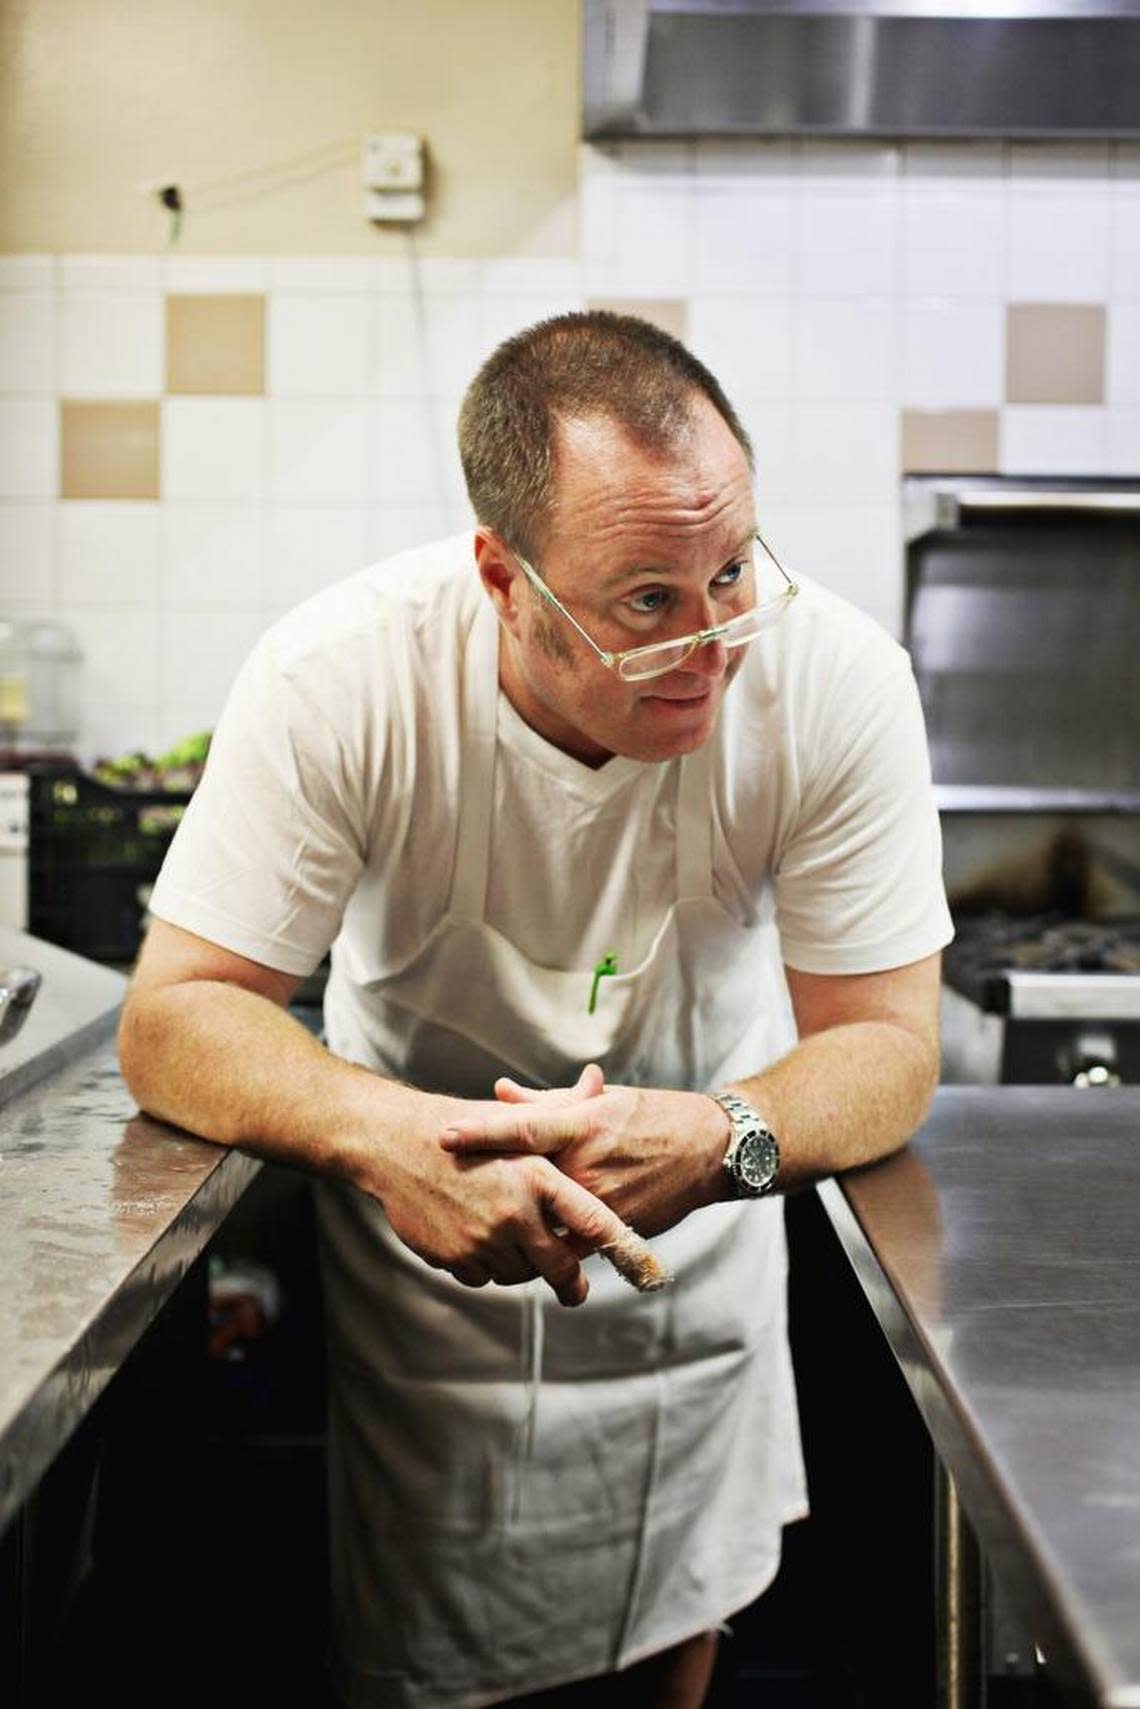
(1001, 1256)
(102, 1212)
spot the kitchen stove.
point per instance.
(990, 951)
(1044, 998)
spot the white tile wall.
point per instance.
(748, 343)
(27, 272)
(115, 273)
(209, 275)
(321, 346)
(319, 450)
(1051, 439)
(309, 547)
(28, 344)
(214, 447)
(29, 448)
(1059, 247)
(111, 344)
(953, 353)
(109, 553)
(397, 527)
(828, 285)
(1124, 442)
(27, 554)
(846, 451)
(744, 239)
(1122, 358)
(845, 349)
(954, 224)
(199, 657)
(211, 555)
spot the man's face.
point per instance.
(642, 548)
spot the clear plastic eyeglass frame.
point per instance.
(639, 664)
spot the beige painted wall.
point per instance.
(257, 109)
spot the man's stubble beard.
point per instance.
(550, 639)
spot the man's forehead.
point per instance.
(632, 502)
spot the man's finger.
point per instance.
(557, 1266)
(539, 1129)
(590, 1082)
(588, 1219)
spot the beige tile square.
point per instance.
(1054, 353)
(215, 345)
(949, 441)
(666, 312)
(109, 449)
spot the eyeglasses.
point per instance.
(638, 664)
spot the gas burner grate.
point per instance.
(988, 945)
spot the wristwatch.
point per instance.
(752, 1160)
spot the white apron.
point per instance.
(522, 1494)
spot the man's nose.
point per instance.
(711, 660)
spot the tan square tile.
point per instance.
(666, 312)
(949, 441)
(215, 345)
(109, 449)
(1054, 353)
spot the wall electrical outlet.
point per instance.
(393, 160)
(393, 175)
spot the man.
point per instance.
(601, 817)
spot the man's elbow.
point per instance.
(143, 1038)
(924, 1070)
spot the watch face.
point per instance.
(757, 1160)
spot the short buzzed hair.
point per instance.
(574, 365)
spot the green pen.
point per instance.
(607, 965)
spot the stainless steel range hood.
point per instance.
(862, 68)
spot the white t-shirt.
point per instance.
(328, 803)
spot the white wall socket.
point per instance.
(393, 172)
(393, 160)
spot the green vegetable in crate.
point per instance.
(191, 751)
(179, 768)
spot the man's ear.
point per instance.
(500, 574)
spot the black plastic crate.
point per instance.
(93, 856)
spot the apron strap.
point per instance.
(477, 765)
(695, 823)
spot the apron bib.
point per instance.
(522, 1494)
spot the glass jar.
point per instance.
(39, 688)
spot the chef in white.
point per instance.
(603, 801)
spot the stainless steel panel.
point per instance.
(76, 1005)
(102, 1211)
(1073, 996)
(861, 68)
(999, 1254)
(1024, 637)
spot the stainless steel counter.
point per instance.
(1001, 1257)
(102, 1211)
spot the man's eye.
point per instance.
(731, 574)
(651, 600)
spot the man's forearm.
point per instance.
(844, 1096)
(230, 1065)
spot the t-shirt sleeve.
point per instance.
(859, 878)
(272, 842)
